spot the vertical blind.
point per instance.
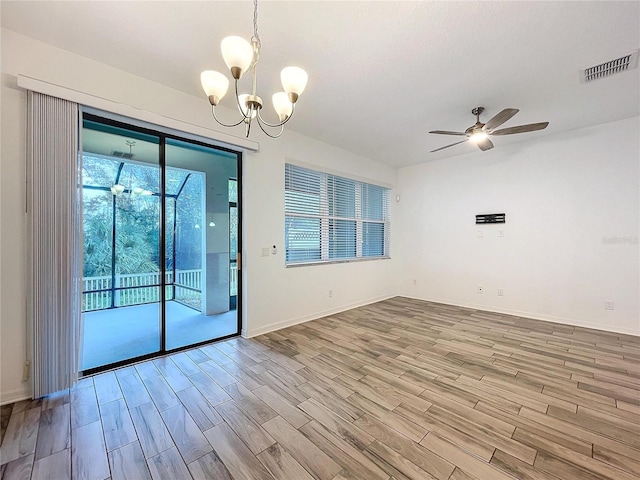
(331, 218)
(53, 225)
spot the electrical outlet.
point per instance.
(330, 293)
(415, 282)
(500, 292)
(480, 290)
(608, 305)
(265, 251)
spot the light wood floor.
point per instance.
(395, 390)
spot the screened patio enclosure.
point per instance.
(127, 274)
(138, 242)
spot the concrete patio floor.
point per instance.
(122, 333)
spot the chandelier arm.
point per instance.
(267, 133)
(213, 111)
(262, 120)
(244, 115)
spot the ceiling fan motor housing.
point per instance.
(477, 128)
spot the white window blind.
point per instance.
(53, 224)
(330, 218)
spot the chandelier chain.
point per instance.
(255, 21)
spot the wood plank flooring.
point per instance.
(401, 389)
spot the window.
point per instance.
(330, 218)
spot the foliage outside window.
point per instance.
(233, 219)
(330, 218)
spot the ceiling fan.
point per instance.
(479, 133)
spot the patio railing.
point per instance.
(135, 289)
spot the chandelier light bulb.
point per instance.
(282, 105)
(214, 84)
(237, 54)
(294, 81)
(117, 189)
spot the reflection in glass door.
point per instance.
(233, 243)
(144, 192)
(199, 262)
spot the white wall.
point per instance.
(273, 296)
(278, 296)
(571, 234)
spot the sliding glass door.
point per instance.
(198, 230)
(158, 272)
(121, 277)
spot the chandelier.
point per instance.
(241, 57)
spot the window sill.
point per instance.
(332, 262)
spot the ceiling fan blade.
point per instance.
(500, 118)
(530, 127)
(485, 144)
(442, 148)
(446, 132)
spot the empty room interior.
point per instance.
(330, 240)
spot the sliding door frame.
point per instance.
(163, 135)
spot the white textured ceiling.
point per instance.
(381, 74)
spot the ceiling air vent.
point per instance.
(624, 63)
(126, 155)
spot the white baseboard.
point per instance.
(307, 318)
(533, 315)
(13, 396)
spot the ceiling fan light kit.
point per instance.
(479, 132)
(241, 57)
(478, 137)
